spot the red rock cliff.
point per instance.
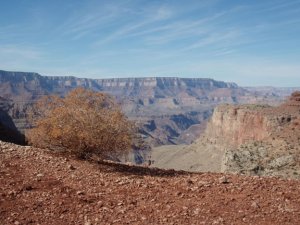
(236, 125)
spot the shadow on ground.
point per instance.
(138, 170)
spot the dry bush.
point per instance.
(84, 123)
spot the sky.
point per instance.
(252, 43)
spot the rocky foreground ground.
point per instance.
(39, 187)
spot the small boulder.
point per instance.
(223, 180)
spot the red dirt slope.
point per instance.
(38, 187)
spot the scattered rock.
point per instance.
(223, 180)
(254, 205)
(95, 196)
(71, 167)
(27, 188)
(80, 193)
(189, 182)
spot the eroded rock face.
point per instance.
(246, 139)
(8, 130)
(274, 149)
(172, 104)
(263, 158)
(238, 124)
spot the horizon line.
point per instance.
(148, 77)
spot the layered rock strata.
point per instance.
(247, 139)
(163, 107)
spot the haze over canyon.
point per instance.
(167, 110)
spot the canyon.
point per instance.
(246, 139)
(192, 124)
(168, 110)
(162, 107)
(219, 134)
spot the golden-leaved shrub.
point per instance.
(83, 122)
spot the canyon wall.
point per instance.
(246, 139)
(278, 153)
(235, 125)
(168, 110)
(8, 130)
(164, 108)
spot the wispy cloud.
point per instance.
(156, 28)
(276, 5)
(19, 57)
(108, 19)
(223, 52)
(12, 33)
(179, 29)
(224, 39)
(11, 51)
(139, 27)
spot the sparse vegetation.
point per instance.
(83, 123)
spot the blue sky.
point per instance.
(253, 42)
